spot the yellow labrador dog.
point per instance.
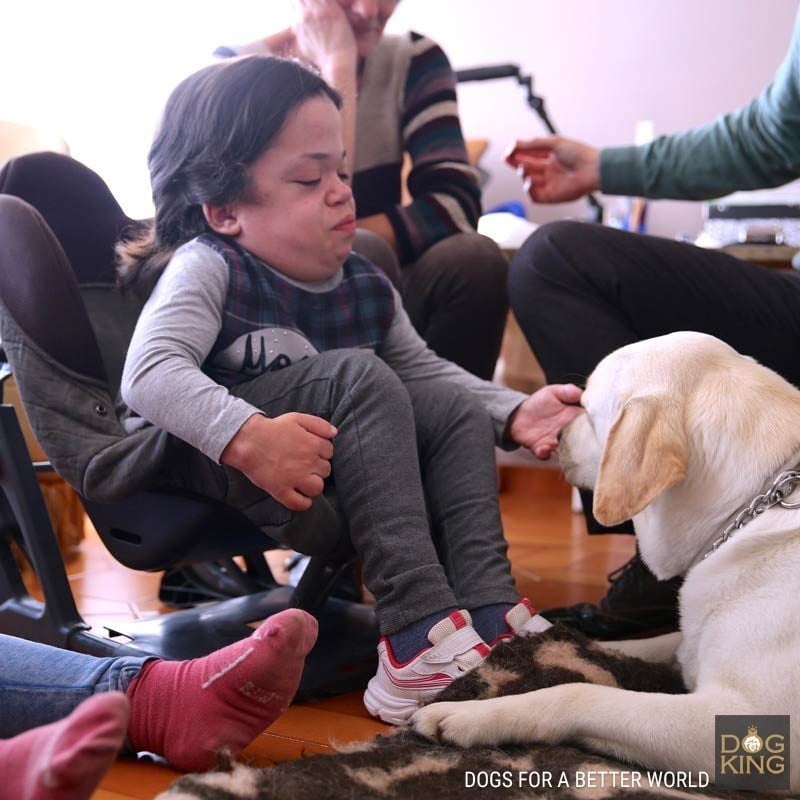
(683, 434)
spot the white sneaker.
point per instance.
(397, 690)
(523, 619)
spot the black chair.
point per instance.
(65, 329)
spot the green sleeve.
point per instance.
(754, 147)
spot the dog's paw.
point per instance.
(467, 723)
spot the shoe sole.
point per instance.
(387, 707)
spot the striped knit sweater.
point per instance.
(407, 103)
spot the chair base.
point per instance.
(191, 584)
(343, 659)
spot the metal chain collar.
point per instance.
(783, 485)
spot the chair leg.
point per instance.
(316, 582)
(257, 568)
(24, 519)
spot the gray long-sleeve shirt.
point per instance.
(163, 383)
(754, 147)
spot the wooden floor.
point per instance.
(554, 563)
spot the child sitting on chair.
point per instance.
(283, 363)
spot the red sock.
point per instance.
(192, 711)
(66, 759)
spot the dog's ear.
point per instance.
(645, 454)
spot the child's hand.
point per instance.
(536, 422)
(288, 456)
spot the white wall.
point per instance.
(601, 65)
(98, 71)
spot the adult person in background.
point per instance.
(399, 98)
(581, 291)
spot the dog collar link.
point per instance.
(783, 485)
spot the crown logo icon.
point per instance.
(752, 743)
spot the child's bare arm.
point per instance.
(287, 456)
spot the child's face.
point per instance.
(301, 218)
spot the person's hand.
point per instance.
(536, 422)
(287, 456)
(324, 36)
(555, 169)
(282, 43)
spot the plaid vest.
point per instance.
(269, 323)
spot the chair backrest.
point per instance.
(87, 221)
(64, 326)
(76, 204)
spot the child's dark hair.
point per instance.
(216, 123)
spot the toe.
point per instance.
(290, 627)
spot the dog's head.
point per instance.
(679, 432)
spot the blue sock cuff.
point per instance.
(412, 640)
(490, 620)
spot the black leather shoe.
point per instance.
(636, 605)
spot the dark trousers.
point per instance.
(454, 293)
(580, 291)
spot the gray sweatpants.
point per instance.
(414, 476)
